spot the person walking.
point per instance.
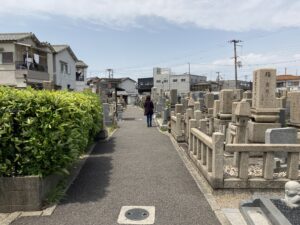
(148, 106)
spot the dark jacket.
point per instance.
(148, 106)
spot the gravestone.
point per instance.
(286, 135)
(173, 97)
(264, 86)
(264, 111)
(209, 100)
(107, 118)
(294, 102)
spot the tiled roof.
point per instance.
(287, 77)
(14, 36)
(59, 48)
(80, 63)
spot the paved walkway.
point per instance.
(138, 166)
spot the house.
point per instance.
(206, 86)
(145, 85)
(230, 84)
(24, 60)
(129, 86)
(288, 82)
(81, 76)
(164, 79)
(64, 67)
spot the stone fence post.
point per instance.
(218, 159)
(192, 124)
(178, 124)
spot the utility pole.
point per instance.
(189, 68)
(235, 60)
(110, 73)
(218, 80)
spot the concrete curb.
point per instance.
(202, 184)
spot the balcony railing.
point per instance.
(20, 65)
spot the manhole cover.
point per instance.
(137, 214)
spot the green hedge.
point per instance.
(43, 132)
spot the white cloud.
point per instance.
(228, 15)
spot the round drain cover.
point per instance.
(137, 214)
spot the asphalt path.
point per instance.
(138, 166)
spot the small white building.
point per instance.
(129, 85)
(164, 79)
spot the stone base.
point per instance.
(256, 131)
(178, 138)
(25, 193)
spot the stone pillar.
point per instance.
(294, 100)
(166, 116)
(242, 113)
(192, 124)
(173, 97)
(216, 108)
(264, 111)
(226, 99)
(178, 124)
(178, 109)
(197, 106)
(264, 89)
(203, 125)
(238, 94)
(218, 160)
(209, 100)
(197, 116)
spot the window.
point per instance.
(182, 80)
(6, 57)
(64, 67)
(158, 81)
(165, 81)
(174, 80)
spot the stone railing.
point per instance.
(177, 124)
(267, 180)
(207, 153)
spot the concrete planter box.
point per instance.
(25, 193)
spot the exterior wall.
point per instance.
(182, 84)
(197, 79)
(63, 79)
(292, 85)
(129, 86)
(81, 85)
(50, 64)
(230, 84)
(7, 71)
(165, 80)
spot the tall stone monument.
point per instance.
(264, 111)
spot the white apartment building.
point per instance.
(164, 79)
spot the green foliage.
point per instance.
(42, 132)
(55, 195)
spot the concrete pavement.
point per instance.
(138, 166)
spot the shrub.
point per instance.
(43, 132)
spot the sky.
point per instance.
(133, 36)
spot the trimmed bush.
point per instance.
(43, 132)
